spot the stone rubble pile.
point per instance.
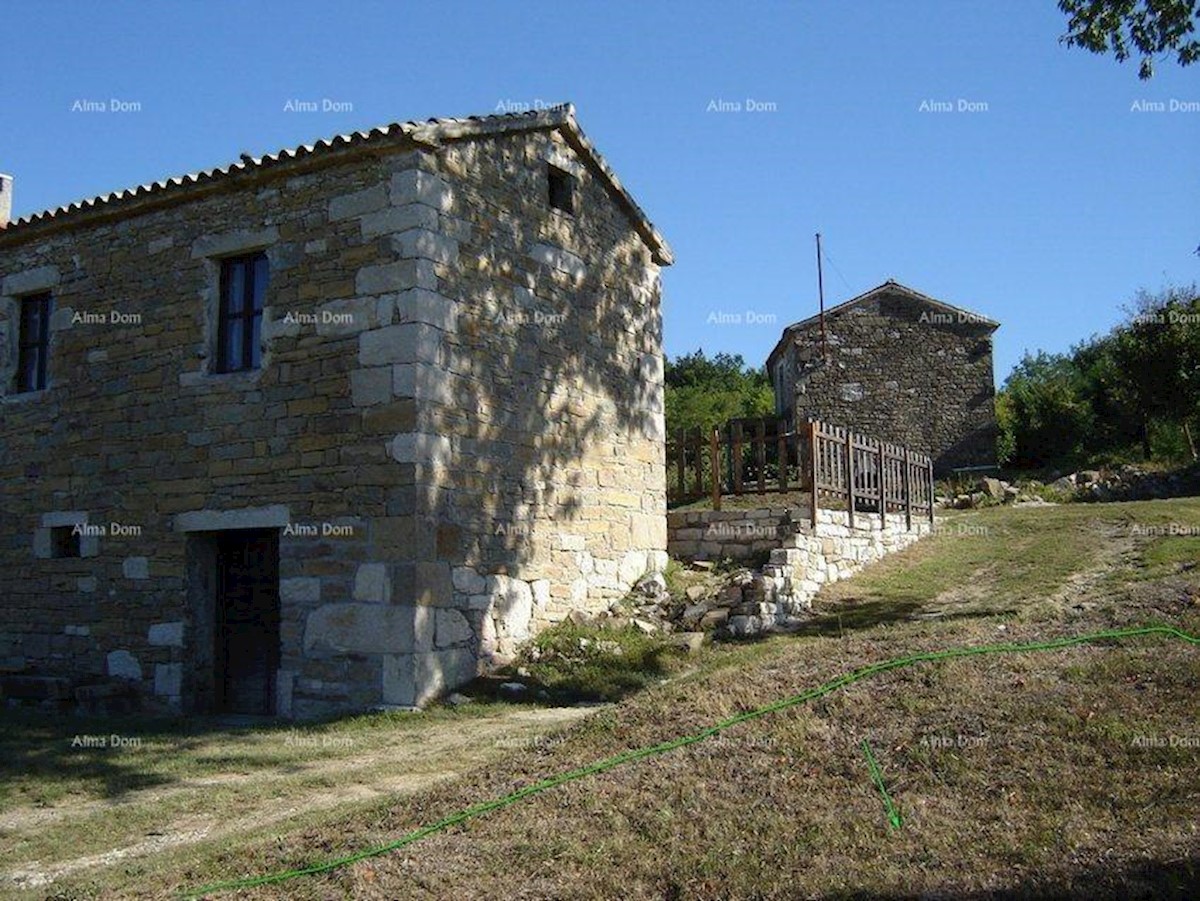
(739, 603)
(1132, 483)
(1124, 483)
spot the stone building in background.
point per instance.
(328, 429)
(898, 366)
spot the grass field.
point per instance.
(1066, 773)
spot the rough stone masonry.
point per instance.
(898, 366)
(455, 432)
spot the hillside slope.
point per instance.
(1065, 773)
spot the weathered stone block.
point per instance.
(423, 382)
(429, 307)
(427, 584)
(300, 590)
(366, 201)
(452, 628)
(168, 679)
(416, 186)
(123, 665)
(406, 342)
(428, 245)
(243, 240)
(386, 278)
(40, 278)
(360, 628)
(397, 219)
(275, 516)
(169, 635)
(371, 386)
(418, 447)
(372, 583)
(416, 679)
(511, 609)
(467, 581)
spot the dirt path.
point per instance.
(414, 760)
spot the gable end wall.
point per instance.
(902, 372)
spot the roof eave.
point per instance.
(660, 250)
(976, 318)
(430, 133)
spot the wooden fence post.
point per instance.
(760, 455)
(813, 471)
(737, 458)
(882, 489)
(931, 491)
(907, 490)
(782, 453)
(850, 475)
(716, 469)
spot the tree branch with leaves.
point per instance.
(1147, 28)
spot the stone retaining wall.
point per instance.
(802, 558)
(811, 558)
(734, 534)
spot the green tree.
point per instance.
(1116, 421)
(1044, 406)
(1158, 351)
(705, 392)
(1006, 428)
(1137, 385)
(1127, 27)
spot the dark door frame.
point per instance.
(251, 597)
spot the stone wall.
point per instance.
(553, 411)
(813, 557)
(445, 473)
(802, 558)
(899, 371)
(135, 433)
(834, 550)
(739, 535)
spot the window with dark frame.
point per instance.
(239, 330)
(34, 342)
(562, 189)
(64, 542)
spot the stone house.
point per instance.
(898, 366)
(328, 429)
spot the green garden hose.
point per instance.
(653, 750)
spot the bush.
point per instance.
(574, 662)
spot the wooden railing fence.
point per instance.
(840, 469)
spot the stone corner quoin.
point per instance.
(453, 439)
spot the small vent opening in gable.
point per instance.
(562, 189)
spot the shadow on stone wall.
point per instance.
(977, 448)
(543, 421)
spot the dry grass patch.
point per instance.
(1066, 773)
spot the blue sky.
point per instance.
(1046, 207)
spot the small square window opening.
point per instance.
(64, 542)
(562, 190)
